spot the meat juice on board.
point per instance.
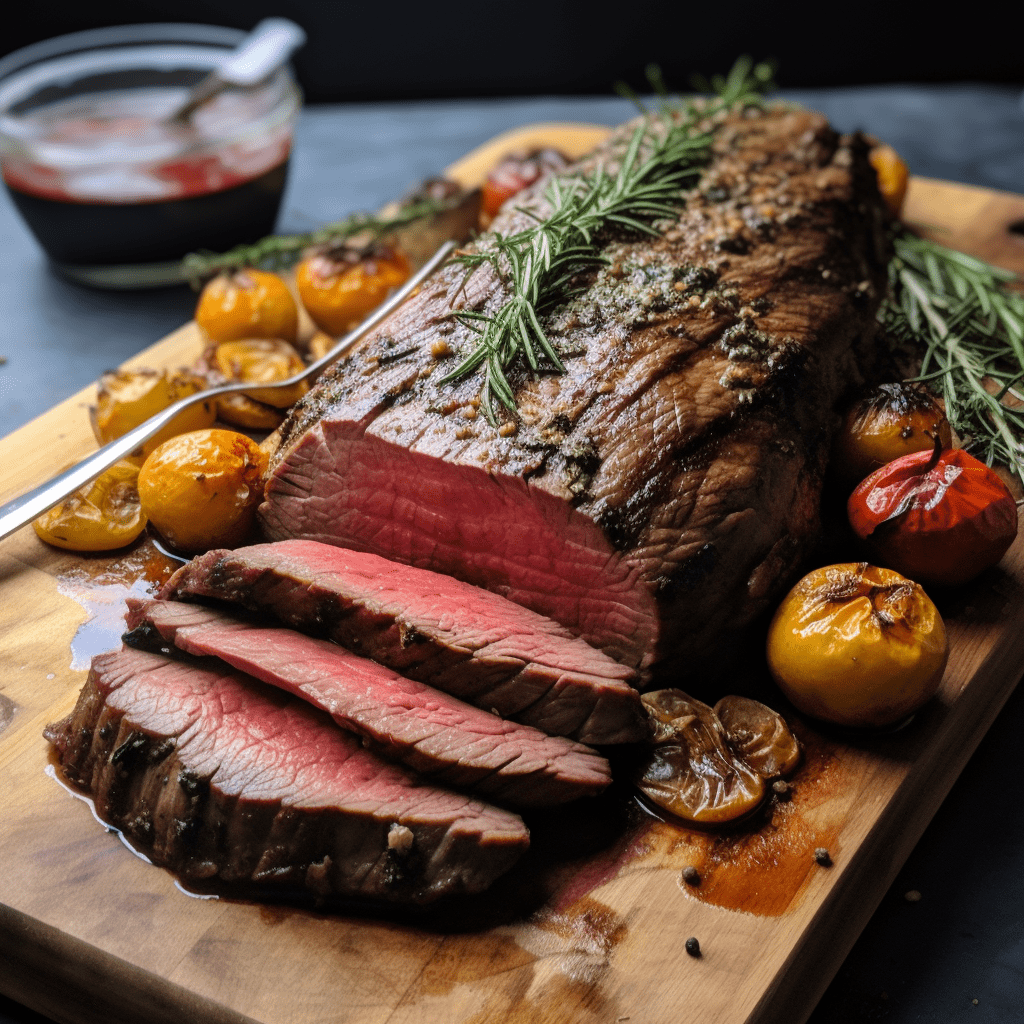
(105, 178)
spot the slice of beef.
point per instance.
(660, 492)
(218, 777)
(439, 736)
(469, 642)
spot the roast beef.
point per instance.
(458, 638)
(659, 493)
(439, 736)
(218, 777)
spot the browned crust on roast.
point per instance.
(703, 368)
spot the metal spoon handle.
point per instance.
(261, 53)
(21, 511)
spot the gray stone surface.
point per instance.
(915, 962)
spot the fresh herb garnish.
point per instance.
(970, 325)
(277, 251)
(538, 264)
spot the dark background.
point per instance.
(395, 49)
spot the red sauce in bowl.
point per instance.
(116, 191)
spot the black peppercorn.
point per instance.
(693, 946)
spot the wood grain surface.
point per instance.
(592, 931)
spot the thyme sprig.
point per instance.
(277, 251)
(969, 325)
(540, 263)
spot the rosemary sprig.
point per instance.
(276, 251)
(970, 325)
(538, 264)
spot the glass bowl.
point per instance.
(115, 195)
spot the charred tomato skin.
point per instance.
(101, 516)
(690, 770)
(341, 287)
(884, 424)
(126, 398)
(857, 645)
(941, 520)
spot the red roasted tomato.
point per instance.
(939, 517)
(513, 174)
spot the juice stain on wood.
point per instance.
(764, 868)
(7, 709)
(758, 866)
(102, 587)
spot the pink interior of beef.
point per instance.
(476, 620)
(266, 747)
(342, 486)
(373, 700)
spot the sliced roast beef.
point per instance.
(469, 642)
(656, 495)
(437, 735)
(216, 776)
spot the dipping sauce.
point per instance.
(117, 192)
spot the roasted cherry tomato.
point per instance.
(262, 361)
(939, 517)
(891, 420)
(857, 645)
(514, 173)
(340, 286)
(101, 516)
(247, 304)
(126, 398)
(893, 176)
(200, 490)
(758, 735)
(691, 770)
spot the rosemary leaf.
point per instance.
(538, 264)
(968, 325)
(277, 251)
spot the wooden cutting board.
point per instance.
(591, 929)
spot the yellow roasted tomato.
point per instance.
(893, 176)
(101, 516)
(247, 304)
(690, 769)
(201, 490)
(262, 361)
(126, 398)
(340, 287)
(887, 422)
(857, 645)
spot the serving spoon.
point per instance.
(255, 59)
(21, 511)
